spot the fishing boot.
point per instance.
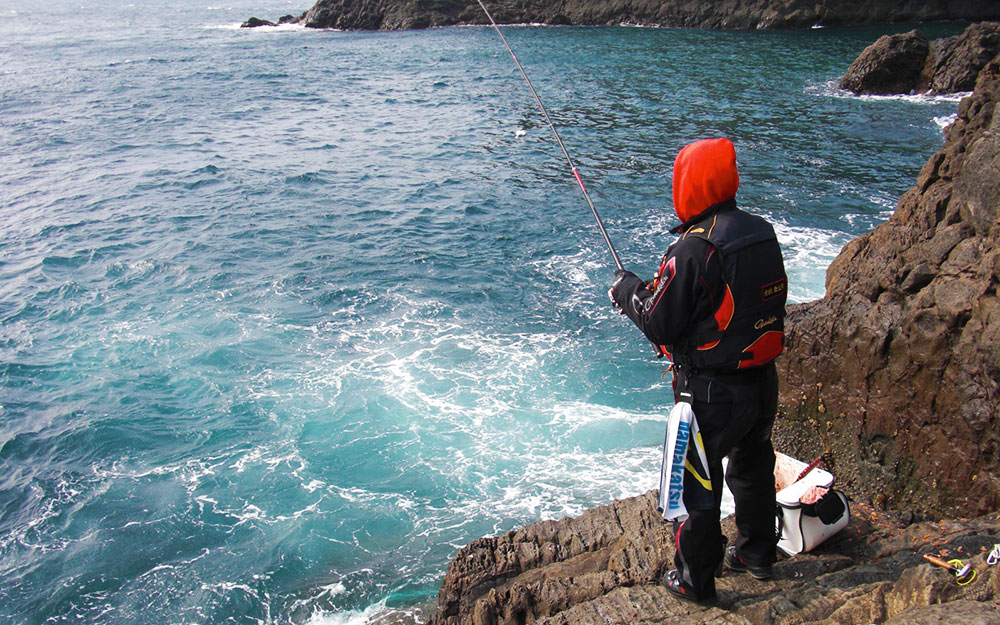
(737, 564)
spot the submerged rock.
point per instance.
(255, 22)
(603, 568)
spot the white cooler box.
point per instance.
(801, 527)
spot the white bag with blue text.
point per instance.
(684, 474)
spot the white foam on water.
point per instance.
(558, 483)
(808, 252)
(831, 88)
(335, 589)
(576, 269)
(945, 120)
(313, 485)
(436, 367)
(263, 456)
(278, 28)
(178, 565)
(655, 226)
(348, 617)
(574, 415)
(377, 614)
(456, 376)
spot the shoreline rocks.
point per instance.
(723, 14)
(603, 568)
(908, 63)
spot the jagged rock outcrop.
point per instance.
(725, 14)
(906, 63)
(897, 368)
(890, 65)
(603, 567)
(955, 62)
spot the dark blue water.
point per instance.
(287, 317)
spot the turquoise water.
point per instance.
(288, 316)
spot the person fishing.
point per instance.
(716, 308)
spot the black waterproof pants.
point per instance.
(735, 412)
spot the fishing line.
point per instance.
(555, 133)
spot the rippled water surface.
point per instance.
(288, 316)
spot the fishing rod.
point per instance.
(555, 133)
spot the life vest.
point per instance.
(748, 327)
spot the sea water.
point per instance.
(289, 316)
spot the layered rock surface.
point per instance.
(727, 14)
(897, 368)
(603, 567)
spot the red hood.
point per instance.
(704, 174)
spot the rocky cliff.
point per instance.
(897, 368)
(727, 14)
(603, 567)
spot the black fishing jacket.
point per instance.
(718, 302)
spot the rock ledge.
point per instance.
(603, 567)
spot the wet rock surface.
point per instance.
(604, 567)
(724, 14)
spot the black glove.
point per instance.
(621, 276)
